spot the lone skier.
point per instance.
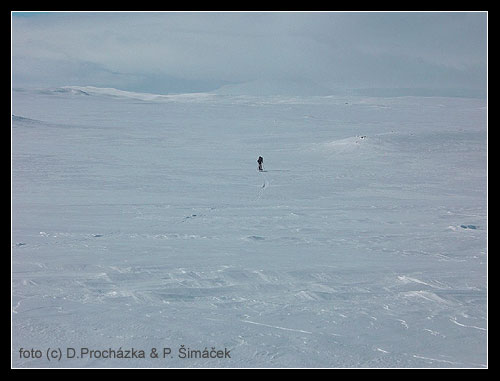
(260, 160)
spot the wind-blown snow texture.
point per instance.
(141, 221)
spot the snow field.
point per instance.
(142, 221)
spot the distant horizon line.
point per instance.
(351, 91)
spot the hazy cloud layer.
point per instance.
(175, 52)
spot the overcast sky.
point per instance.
(177, 52)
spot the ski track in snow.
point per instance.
(363, 244)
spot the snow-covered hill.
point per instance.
(121, 94)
